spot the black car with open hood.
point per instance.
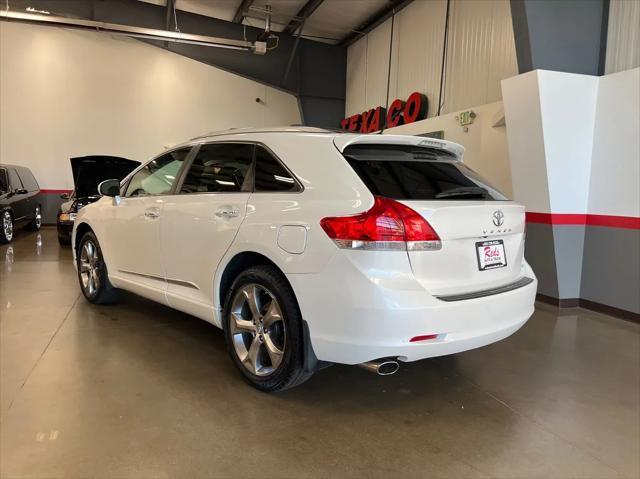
(88, 173)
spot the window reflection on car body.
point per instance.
(463, 191)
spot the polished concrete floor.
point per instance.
(139, 390)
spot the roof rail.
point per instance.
(281, 129)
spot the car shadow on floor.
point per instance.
(198, 345)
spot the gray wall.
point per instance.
(560, 35)
(540, 253)
(568, 241)
(593, 263)
(50, 203)
(611, 267)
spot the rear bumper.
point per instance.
(355, 317)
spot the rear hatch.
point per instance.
(482, 232)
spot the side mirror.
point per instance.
(109, 188)
(65, 196)
(21, 191)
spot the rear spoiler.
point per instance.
(344, 140)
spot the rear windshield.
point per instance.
(417, 173)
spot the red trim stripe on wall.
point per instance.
(54, 192)
(627, 222)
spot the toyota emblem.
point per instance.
(498, 218)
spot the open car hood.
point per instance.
(90, 171)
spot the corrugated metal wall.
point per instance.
(417, 46)
(356, 76)
(623, 36)
(480, 53)
(377, 65)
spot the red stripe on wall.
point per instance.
(627, 222)
(556, 219)
(54, 192)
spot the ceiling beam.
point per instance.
(242, 11)
(372, 22)
(305, 12)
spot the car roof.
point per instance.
(5, 165)
(342, 138)
(280, 129)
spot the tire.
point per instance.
(6, 227)
(92, 272)
(36, 223)
(268, 350)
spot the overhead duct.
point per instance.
(258, 48)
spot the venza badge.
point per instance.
(498, 218)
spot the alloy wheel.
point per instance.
(89, 262)
(257, 329)
(7, 225)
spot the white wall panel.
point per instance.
(523, 115)
(561, 165)
(623, 36)
(615, 169)
(567, 144)
(66, 93)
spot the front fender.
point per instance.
(89, 216)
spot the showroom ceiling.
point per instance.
(330, 21)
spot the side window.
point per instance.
(29, 182)
(14, 180)
(4, 181)
(219, 167)
(157, 176)
(271, 175)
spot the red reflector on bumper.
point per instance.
(424, 337)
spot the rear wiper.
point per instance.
(463, 191)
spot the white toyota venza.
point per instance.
(310, 247)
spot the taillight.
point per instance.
(388, 225)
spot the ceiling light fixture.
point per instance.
(135, 32)
(35, 10)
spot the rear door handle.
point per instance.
(228, 213)
(152, 213)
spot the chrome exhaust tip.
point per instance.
(382, 367)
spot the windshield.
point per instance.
(416, 173)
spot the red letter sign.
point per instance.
(394, 117)
(400, 113)
(416, 108)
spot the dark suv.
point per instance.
(19, 201)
